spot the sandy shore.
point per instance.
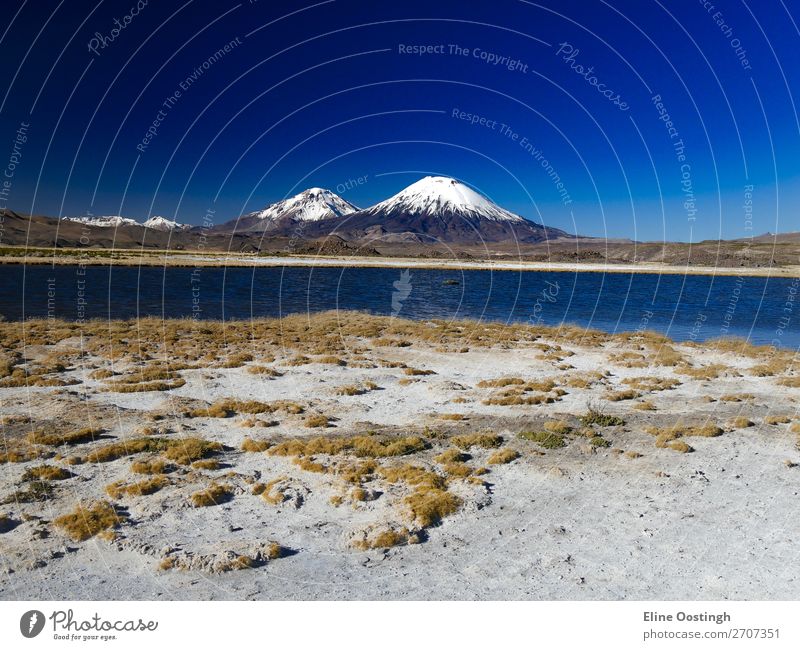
(188, 259)
(448, 461)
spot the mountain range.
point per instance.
(433, 217)
(435, 209)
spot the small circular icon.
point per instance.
(31, 623)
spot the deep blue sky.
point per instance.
(320, 94)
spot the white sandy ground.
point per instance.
(572, 523)
(242, 260)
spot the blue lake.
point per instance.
(684, 307)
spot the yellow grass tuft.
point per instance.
(78, 437)
(484, 440)
(86, 522)
(254, 446)
(214, 495)
(503, 456)
(777, 419)
(46, 473)
(119, 489)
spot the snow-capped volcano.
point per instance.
(114, 221)
(435, 209)
(311, 205)
(164, 224)
(443, 197)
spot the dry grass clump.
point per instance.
(790, 382)
(264, 370)
(331, 359)
(254, 446)
(119, 489)
(666, 355)
(795, 427)
(736, 397)
(298, 360)
(46, 473)
(711, 371)
(361, 446)
(599, 441)
(78, 437)
(413, 475)
(632, 454)
(152, 466)
(457, 470)
(188, 450)
(429, 506)
(501, 382)
(213, 495)
(19, 455)
(680, 446)
(545, 439)
(628, 359)
(560, 427)
(87, 521)
(651, 384)
(645, 405)
(740, 422)
(357, 472)
(484, 440)
(206, 464)
(518, 399)
(620, 395)
(680, 430)
(596, 416)
(668, 437)
(774, 365)
(357, 389)
(503, 456)
(226, 407)
(416, 372)
(777, 419)
(145, 379)
(386, 539)
(268, 492)
(101, 373)
(310, 465)
(183, 451)
(316, 420)
(236, 360)
(456, 417)
(452, 456)
(123, 448)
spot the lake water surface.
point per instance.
(684, 307)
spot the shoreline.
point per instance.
(205, 259)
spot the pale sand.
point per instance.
(572, 523)
(188, 259)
